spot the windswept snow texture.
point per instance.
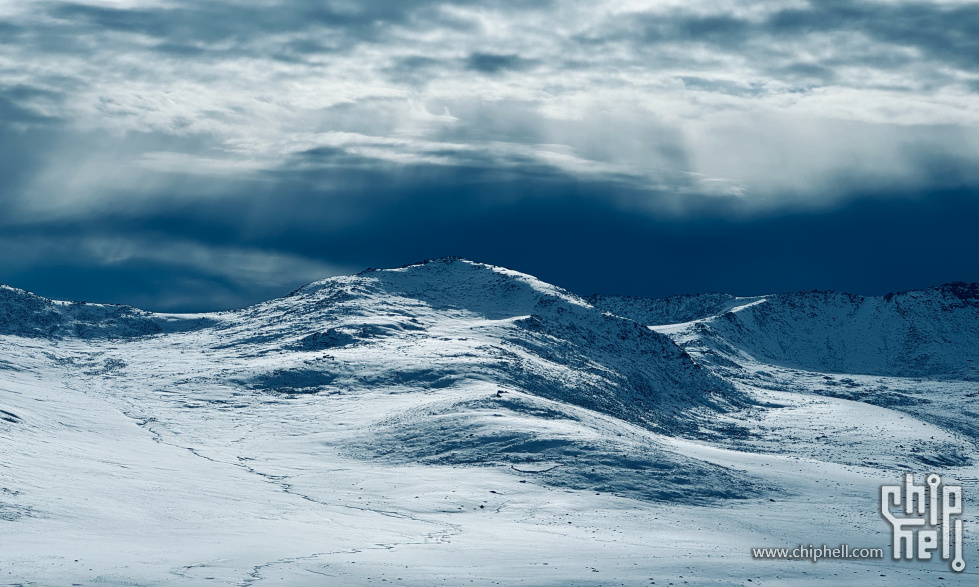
(927, 333)
(462, 424)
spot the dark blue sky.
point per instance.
(182, 155)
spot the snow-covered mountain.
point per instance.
(930, 332)
(452, 422)
(25, 314)
(506, 328)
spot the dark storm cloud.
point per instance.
(184, 27)
(219, 152)
(26, 137)
(211, 22)
(495, 63)
(12, 110)
(562, 229)
(721, 86)
(947, 34)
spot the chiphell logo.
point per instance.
(928, 513)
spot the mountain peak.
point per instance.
(451, 260)
(451, 282)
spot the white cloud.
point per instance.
(659, 91)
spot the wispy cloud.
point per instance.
(186, 274)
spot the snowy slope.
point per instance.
(929, 332)
(502, 328)
(25, 314)
(671, 310)
(457, 423)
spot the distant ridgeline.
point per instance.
(932, 332)
(25, 314)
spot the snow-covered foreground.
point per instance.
(458, 424)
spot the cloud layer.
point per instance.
(249, 145)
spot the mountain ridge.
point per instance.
(967, 292)
(522, 331)
(923, 332)
(376, 426)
